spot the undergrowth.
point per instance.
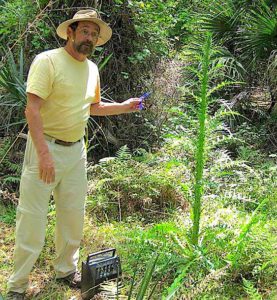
(236, 256)
(10, 164)
(124, 185)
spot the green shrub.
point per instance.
(10, 164)
(122, 186)
(14, 19)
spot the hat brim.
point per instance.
(104, 35)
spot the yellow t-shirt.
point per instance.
(68, 87)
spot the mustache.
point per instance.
(86, 44)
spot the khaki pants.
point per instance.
(69, 189)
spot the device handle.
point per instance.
(142, 98)
(100, 252)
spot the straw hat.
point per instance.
(87, 15)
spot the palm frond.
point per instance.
(232, 67)
(12, 79)
(222, 20)
(257, 38)
(12, 85)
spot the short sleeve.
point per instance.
(40, 77)
(97, 98)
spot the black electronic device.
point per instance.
(99, 267)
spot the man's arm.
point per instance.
(46, 163)
(108, 109)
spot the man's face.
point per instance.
(85, 37)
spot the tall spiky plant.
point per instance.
(208, 69)
(200, 154)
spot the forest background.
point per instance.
(184, 190)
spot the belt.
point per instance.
(59, 142)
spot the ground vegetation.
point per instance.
(188, 196)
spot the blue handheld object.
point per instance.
(143, 97)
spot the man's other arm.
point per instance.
(108, 109)
(33, 116)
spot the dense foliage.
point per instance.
(188, 192)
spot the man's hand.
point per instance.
(131, 105)
(46, 168)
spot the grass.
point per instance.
(236, 253)
(210, 274)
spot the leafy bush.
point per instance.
(10, 164)
(14, 19)
(246, 31)
(121, 186)
(13, 101)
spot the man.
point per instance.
(63, 89)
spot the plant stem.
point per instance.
(200, 152)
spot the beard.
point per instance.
(85, 48)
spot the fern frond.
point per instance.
(11, 179)
(250, 289)
(123, 153)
